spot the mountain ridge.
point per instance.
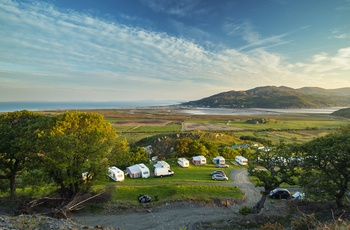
(276, 97)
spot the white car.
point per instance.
(219, 177)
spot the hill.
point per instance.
(277, 97)
(342, 113)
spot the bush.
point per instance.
(245, 210)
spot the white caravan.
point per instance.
(183, 162)
(115, 174)
(241, 160)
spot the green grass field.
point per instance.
(192, 183)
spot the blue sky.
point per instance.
(178, 50)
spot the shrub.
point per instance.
(245, 210)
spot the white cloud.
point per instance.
(75, 56)
(248, 33)
(180, 8)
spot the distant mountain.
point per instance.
(342, 113)
(277, 97)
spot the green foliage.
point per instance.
(77, 143)
(245, 210)
(261, 121)
(327, 166)
(273, 167)
(18, 143)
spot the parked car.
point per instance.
(298, 195)
(219, 177)
(218, 172)
(222, 166)
(145, 199)
(280, 193)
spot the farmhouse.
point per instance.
(115, 174)
(138, 171)
(199, 160)
(218, 160)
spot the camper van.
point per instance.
(115, 174)
(241, 160)
(160, 172)
(183, 162)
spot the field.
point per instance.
(193, 182)
(135, 124)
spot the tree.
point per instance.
(77, 143)
(18, 143)
(228, 153)
(120, 154)
(327, 166)
(182, 147)
(272, 168)
(212, 148)
(197, 148)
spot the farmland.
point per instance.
(136, 124)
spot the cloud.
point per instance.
(66, 54)
(247, 32)
(180, 8)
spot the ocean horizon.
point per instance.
(42, 106)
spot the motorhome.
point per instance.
(241, 160)
(160, 172)
(183, 162)
(115, 174)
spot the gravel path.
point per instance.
(177, 215)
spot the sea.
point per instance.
(42, 106)
(47, 106)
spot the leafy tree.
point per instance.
(197, 148)
(182, 147)
(77, 143)
(327, 166)
(120, 154)
(228, 153)
(139, 155)
(18, 143)
(272, 168)
(212, 148)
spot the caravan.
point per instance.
(241, 160)
(115, 174)
(138, 171)
(183, 162)
(199, 160)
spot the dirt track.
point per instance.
(177, 215)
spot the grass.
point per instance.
(193, 183)
(169, 192)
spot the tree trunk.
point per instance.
(13, 186)
(258, 206)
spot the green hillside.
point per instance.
(342, 113)
(276, 97)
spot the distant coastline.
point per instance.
(42, 106)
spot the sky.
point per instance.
(175, 50)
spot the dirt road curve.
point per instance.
(175, 216)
